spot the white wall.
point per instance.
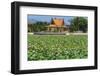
(5, 41)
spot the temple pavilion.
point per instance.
(57, 25)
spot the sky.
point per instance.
(47, 18)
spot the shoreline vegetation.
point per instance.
(57, 47)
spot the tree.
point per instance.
(79, 24)
(37, 27)
(52, 22)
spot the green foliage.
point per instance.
(79, 24)
(55, 47)
(37, 27)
